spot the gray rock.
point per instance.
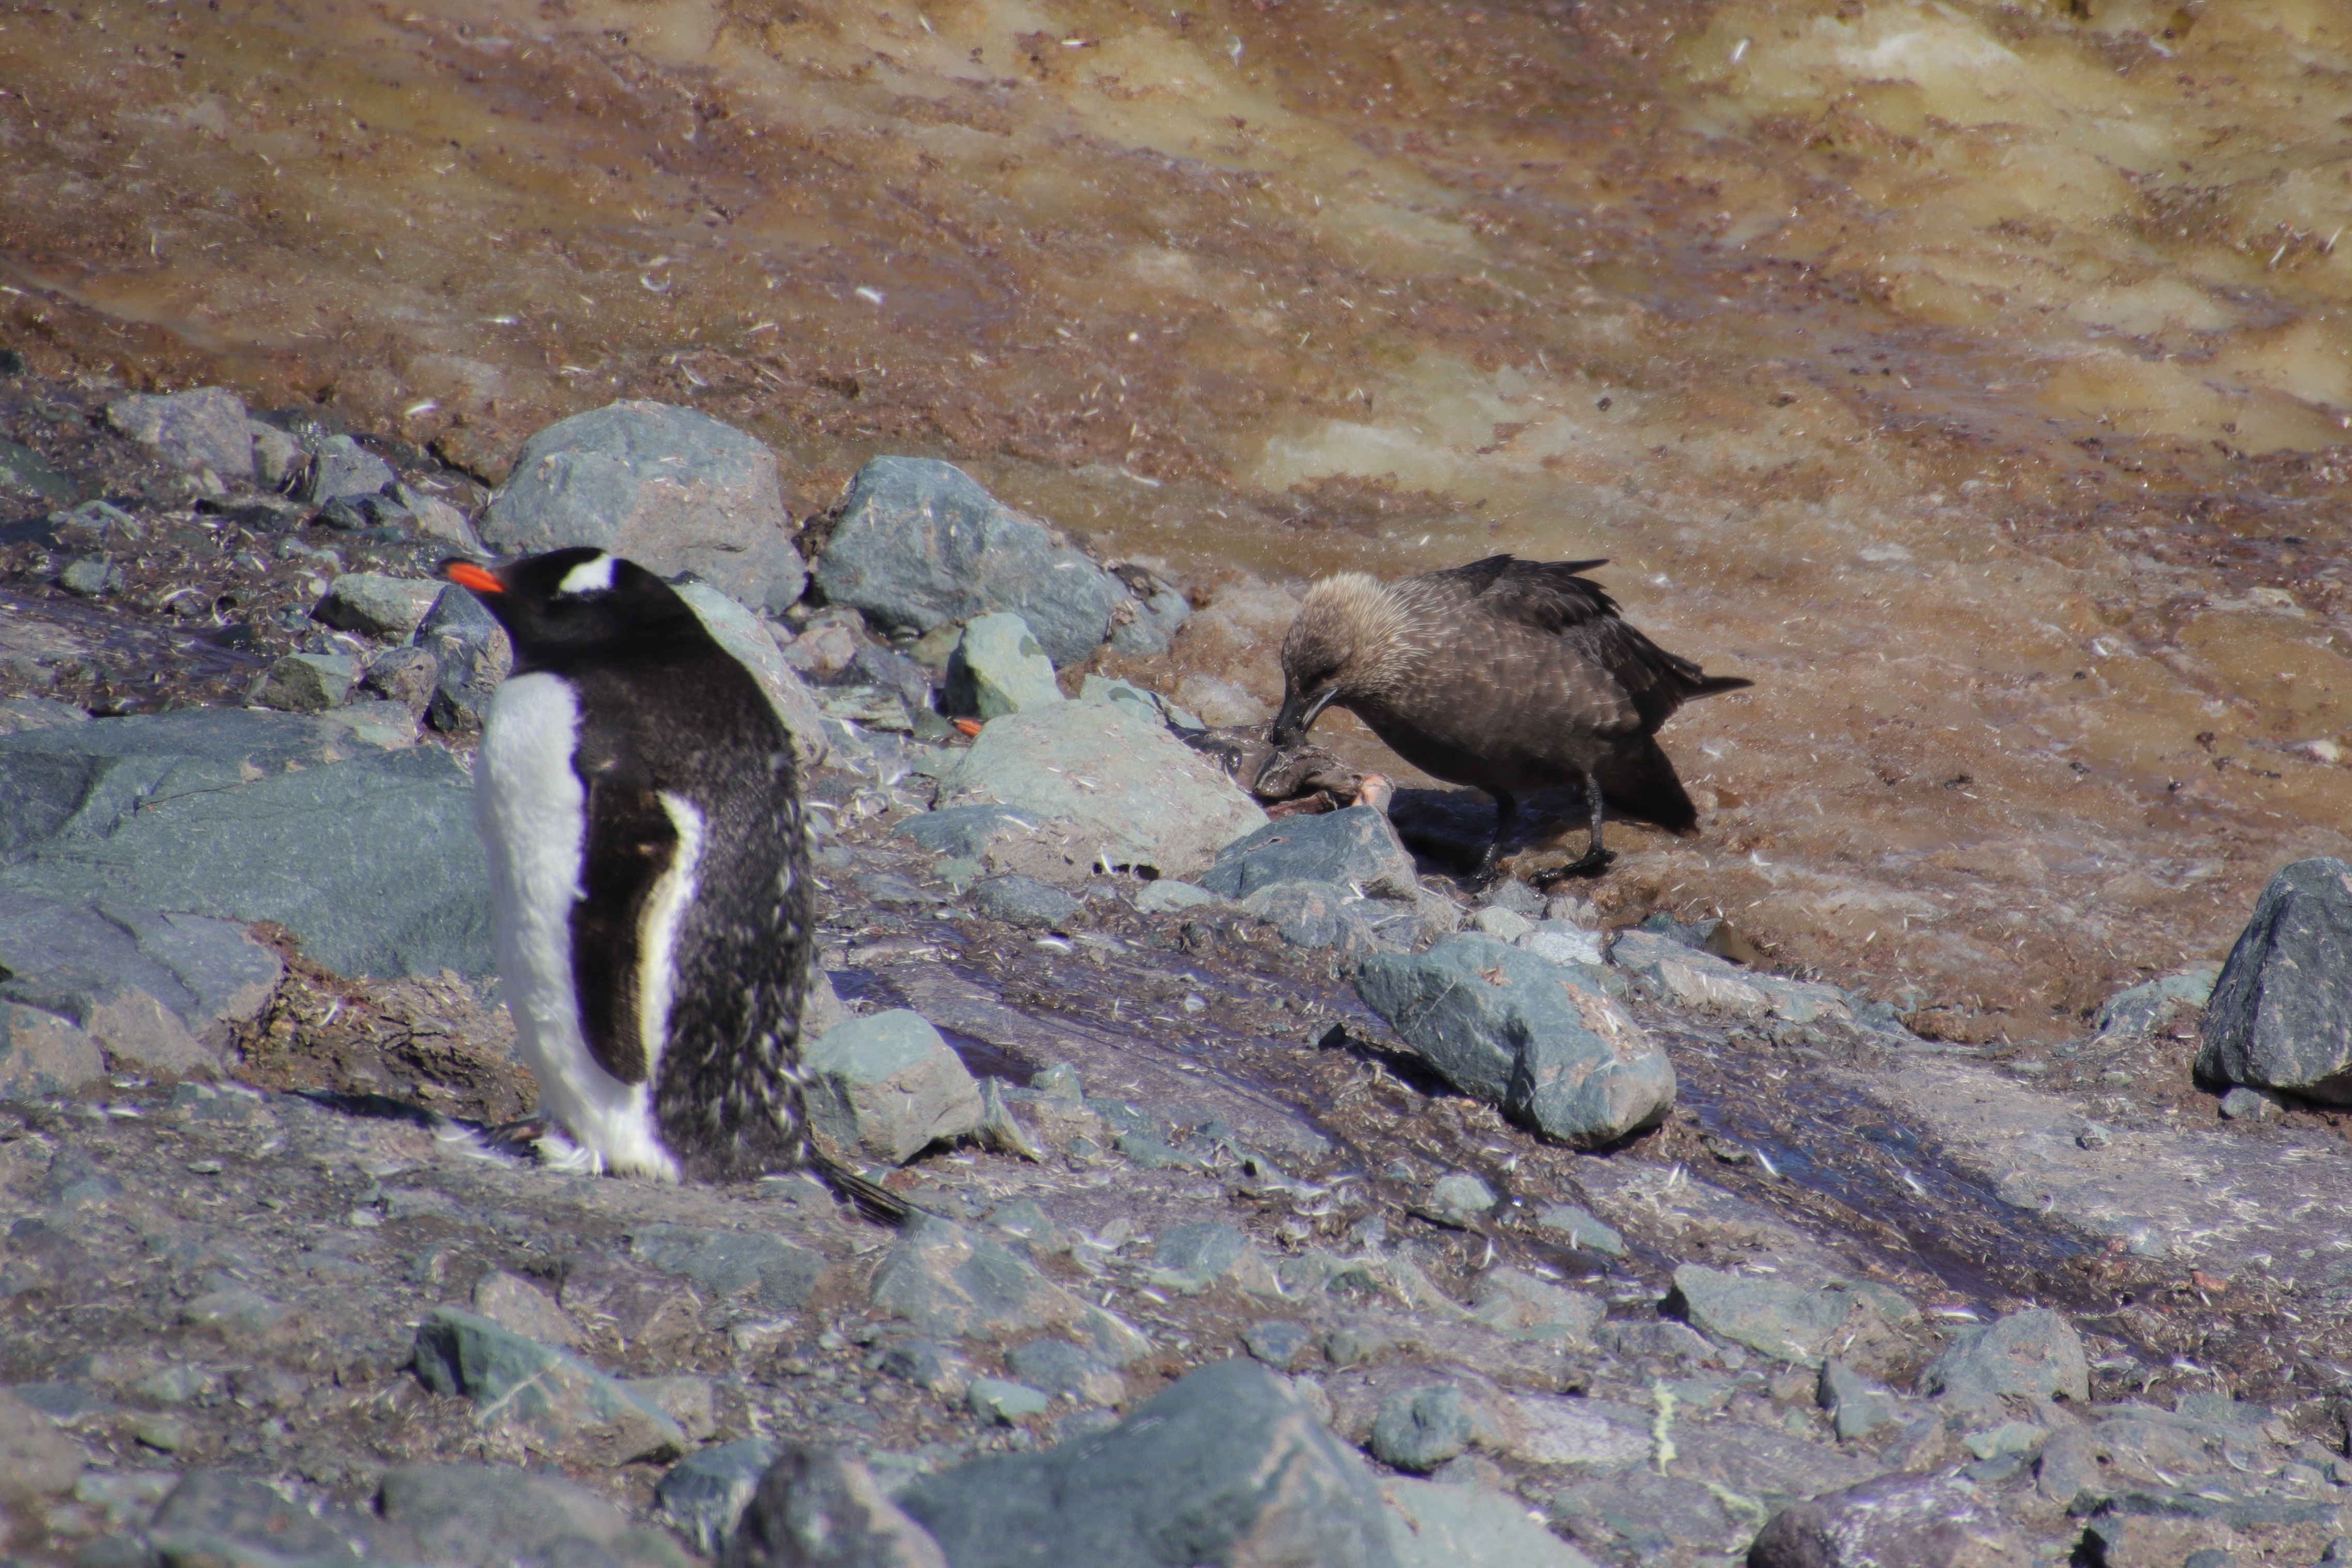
(550, 1394)
(26, 472)
(1060, 1367)
(1857, 1405)
(2281, 1013)
(951, 1283)
(886, 1087)
(819, 1508)
(1513, 1301)
(2140, 1008)
(1678, 971)
(1506, 925)
(2035, 1354)
(1005, 1403)
(1563, 942)
(92, 576)
(1281, 1344)
(1421, 1428)
(692, 1402)
(33, 1454)
(704, 1494)
(1023, 901)
(1896, 1521)
(743, 635)
(437, 519)
(1354, 848)
(1524, 1034)
(205, 427)
(1145, 625)
(37, 713)
(473, 653)
(1147, 704)
(408, 676)
(305, 683)
(999, 667)
(1326, 914)
(520, 1307)
(928, 1364)
(369, 856)
(1437, 1526)
(1581, 1230)
(1461, 1194)
(156, 991)
(42, 1054)
(669, 488)
(1169, 894)
(920, 543)
(770, 1273)
(478, 1516)
(377, 606)
(279, 457)
(2244, 1104)
(217, 1517)
(343, 470)
(1784, 1321)
(1089, 784)
(1194, 1256)
(1184, 1481)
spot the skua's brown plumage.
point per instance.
(1509, 675)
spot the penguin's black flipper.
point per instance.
(876, 1202)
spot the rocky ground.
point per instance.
(1503, 1230)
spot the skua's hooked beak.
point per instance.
(466, 575)
(1299, 714)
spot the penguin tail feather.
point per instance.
(875, 1201)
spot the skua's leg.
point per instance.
(1595, 859)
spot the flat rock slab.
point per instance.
(156, 991)
(369, 856)
(668, 488)
(1146, 1078)
(377, 605)
(1680, 973)
(1897, 1522)
(1786, 1322)
(2281, 1013)
(1097, 783)
(1227, 1465)
(1435, 1526)
(2221, 1203)
(1556, 1054)
(920, 543)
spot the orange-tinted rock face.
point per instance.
(1965, 376)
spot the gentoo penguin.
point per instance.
(1501, 674)
(649, 875)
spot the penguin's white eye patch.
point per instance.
(591, 576)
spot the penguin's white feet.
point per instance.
(557, 1152)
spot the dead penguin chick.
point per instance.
(1506, 675)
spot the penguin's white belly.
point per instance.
(532, 810)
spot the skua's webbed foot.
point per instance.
(1592, 863)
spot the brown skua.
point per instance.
(1508, 675)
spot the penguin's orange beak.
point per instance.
(466, 575)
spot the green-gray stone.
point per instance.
(1000, 667)
(520, 1382)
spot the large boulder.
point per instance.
(2032, 1355)
(920, 543)
(2280, 1015)
(368, 855)
(1542, 1042)
(671, 489)
(203, 427)
(1080, 783)
(1895, 1521)
(1228, 1465)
